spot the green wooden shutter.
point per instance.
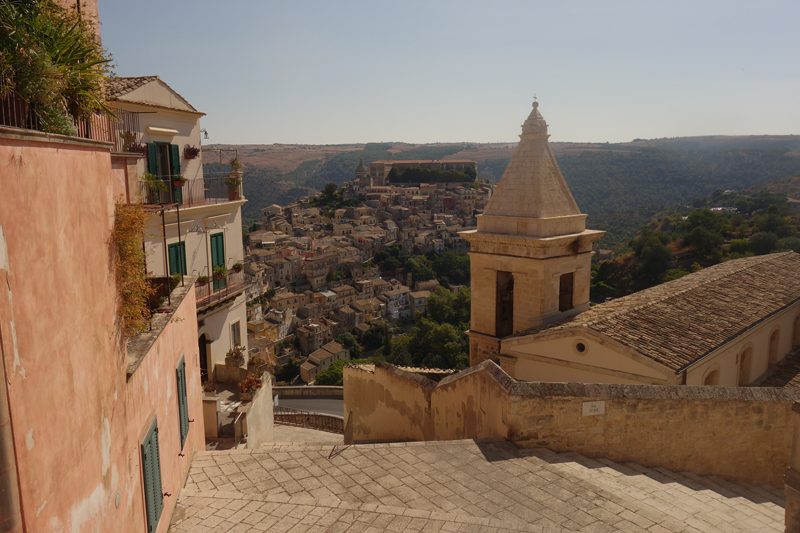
(183, 406)
(152, 159)
(151, 469)
(183, 257)
(175, 159)
(218, 257)
(177, 258)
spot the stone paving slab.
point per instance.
(474, 485)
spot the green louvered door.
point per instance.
(151, 469)
(183, 405)
(218, 258)
(175, 162)
(177, 258)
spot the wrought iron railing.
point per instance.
(306, 419)
(122, 130)
(193, 191)
(216, 290)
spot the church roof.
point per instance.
(679, 322)
(361, 168)
(532, 185)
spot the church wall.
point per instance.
(742, 434)
(727, 358)
(571, 362)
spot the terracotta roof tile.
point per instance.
(678, 322)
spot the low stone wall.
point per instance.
(259, 422)
(742, 434)
(229, 374)
(313, 391)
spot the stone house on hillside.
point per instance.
(322, 359)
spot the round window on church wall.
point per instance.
(580, 347)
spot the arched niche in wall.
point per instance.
(745, 362)
(796, 332)
(711, 376)
(774, 342)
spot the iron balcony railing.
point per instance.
(306, 419)
(122, 130)
(219, 289)
(193, 192)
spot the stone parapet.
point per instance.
(740, 434)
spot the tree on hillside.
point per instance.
(387, 341)
(763, 242)
(348, 341)
(373, 337)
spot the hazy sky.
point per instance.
(332, 72)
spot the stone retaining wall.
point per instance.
(304, 392)
(742, 434)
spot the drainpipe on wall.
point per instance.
(10, 506)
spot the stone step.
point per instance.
(488, 480)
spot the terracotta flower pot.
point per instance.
(178, 183)
(233, 195)
(245, 397)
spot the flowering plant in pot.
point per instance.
(248, 387)
(235, 356)
(237, 267)
(220, 272)
(190, 152)
(202, 280)
(178, 180)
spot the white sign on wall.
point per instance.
(594, 408)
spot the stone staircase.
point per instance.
(483, 485)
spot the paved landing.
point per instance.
(297, 435)
(457, 486)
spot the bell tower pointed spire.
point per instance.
(530, 257)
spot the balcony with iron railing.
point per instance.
(219, 290)
(210, 189)
(121, 129)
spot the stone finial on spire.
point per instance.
(535, 124)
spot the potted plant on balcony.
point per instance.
(235, 164)
(232, 184)
(210, 387)
(178, 180)
(202, 280)
(237, 267)
(235, 356)
(220, 272)
(248, 387)
(254, 364)
(190, 152)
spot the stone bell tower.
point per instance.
(531, 255)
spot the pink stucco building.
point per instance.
(78, 445)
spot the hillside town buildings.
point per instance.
(314, 264)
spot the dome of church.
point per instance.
(361, 169)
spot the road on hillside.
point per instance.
(328, 406)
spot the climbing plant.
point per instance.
(130, 265)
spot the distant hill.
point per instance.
(603, 177)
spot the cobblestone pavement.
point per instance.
(480, 486)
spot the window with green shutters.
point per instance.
(218, 257)
(151, 470)
(177, 258)
(183, 405)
